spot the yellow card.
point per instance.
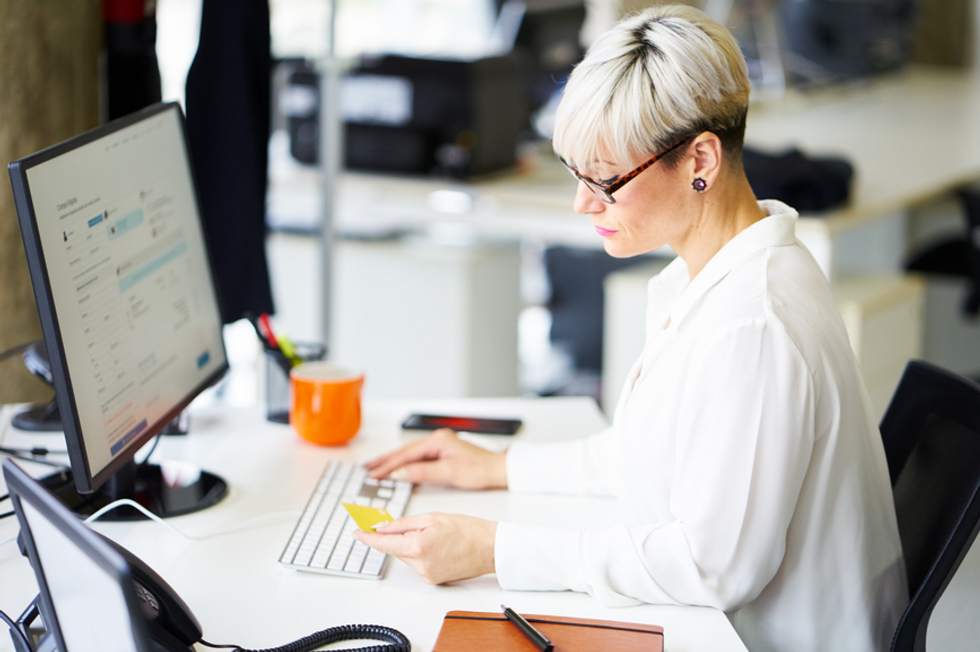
(367, 517)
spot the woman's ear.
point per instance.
(706, 158)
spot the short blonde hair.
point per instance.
(655, 78)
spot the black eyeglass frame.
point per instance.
(604, 190)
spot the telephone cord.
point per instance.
(398, 642)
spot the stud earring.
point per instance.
(699, 184)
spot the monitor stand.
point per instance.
(166, 489)
(39, 418)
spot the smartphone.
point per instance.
(465, 424)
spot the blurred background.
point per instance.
(439, 250)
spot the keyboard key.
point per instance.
(339, 557)
(373, 563)
(323, 539)
(357, 555)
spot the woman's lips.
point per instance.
(605, 233)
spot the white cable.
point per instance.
(153, 517)
(127, 502)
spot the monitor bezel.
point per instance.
(24, 488)
(85, 481)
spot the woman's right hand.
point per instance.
(444, 458)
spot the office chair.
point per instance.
(931, 435)
(576, 278)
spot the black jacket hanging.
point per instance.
(228, 98)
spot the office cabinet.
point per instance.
(425, 319)
(883, 315)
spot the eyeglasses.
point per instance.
(605, 189)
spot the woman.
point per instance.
(744, 440)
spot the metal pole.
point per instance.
(331, 148)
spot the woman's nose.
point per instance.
(586, 201)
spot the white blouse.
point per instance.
(745, 444)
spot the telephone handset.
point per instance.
(168, 618)
(67, 555)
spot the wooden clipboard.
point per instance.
(492, 632)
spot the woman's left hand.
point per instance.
(440, 547)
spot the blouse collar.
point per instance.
(776, 229)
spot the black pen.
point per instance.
(536, 637)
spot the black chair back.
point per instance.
(931, 436)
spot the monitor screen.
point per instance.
(121, 274)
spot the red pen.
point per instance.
(266, 326)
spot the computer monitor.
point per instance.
(126, 300)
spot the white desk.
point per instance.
(234, 584)
(912, 137)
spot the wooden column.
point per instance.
(49, 91)
(944, 33)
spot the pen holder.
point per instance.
(277, 369)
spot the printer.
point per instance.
(418, 115)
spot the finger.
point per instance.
(370, 464)
(390, 545)
(429, 448)
(397, 457)
(435, 472)
(395, 539)
(407, 524)
(407, 449)
(382, 459)
(384, 468)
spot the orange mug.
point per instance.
(325, 402)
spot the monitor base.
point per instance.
(168, 489)
(39, 418)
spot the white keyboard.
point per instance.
(323, 541)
